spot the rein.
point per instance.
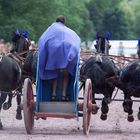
(22, 53)
(115, 95)
(25, 52)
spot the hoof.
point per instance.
(18, 116)
(1, 126)
(103, 117)
(95, 112)
(80, 114)
(138, 115)
(130, 118)
(6, 106)
(43, 118)
(95, 109)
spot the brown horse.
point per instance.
(10, 79)
(128, 81)
(99, 68)
(27, 59)
(21, 45)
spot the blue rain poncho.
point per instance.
(59, 48)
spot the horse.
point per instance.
(14, 68)
(17, 37)
(28, 58)
(10, 79)
(128, 81)
(99, 68)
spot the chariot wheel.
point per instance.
(28, 109)
(87, 106)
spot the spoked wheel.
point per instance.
(87, 106)
(28, 109)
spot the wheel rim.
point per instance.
(86, 106)
(28, 100)
(89, 101)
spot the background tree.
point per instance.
(37, 15)
(136, 6)
(115, 22)
(84, 16)
(112, 16)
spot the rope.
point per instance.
(115, 95)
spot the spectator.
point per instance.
(121, 49)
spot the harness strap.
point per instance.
(17, 58)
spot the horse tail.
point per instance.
(99, 59)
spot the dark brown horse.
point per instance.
(27, 59)
(14, 68)
(99, 68)
(10, 80)
(129, 83)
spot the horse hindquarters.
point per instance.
(10, 76)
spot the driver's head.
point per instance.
(61, 19)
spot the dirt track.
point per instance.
(116, 127)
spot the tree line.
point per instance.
(120, 17)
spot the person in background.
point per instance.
(121, 49)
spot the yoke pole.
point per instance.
(81, 98)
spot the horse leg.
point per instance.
(8, 104)
(127, 105)
(138, 115)
(18, 114)
(106, 100)
(1, 126)
(94, 102)
(93, 96)
(2, 100)
(104, 109)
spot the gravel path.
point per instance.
(116, 127)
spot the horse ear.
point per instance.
(17, 31)
(107, 35)
(26, 34)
